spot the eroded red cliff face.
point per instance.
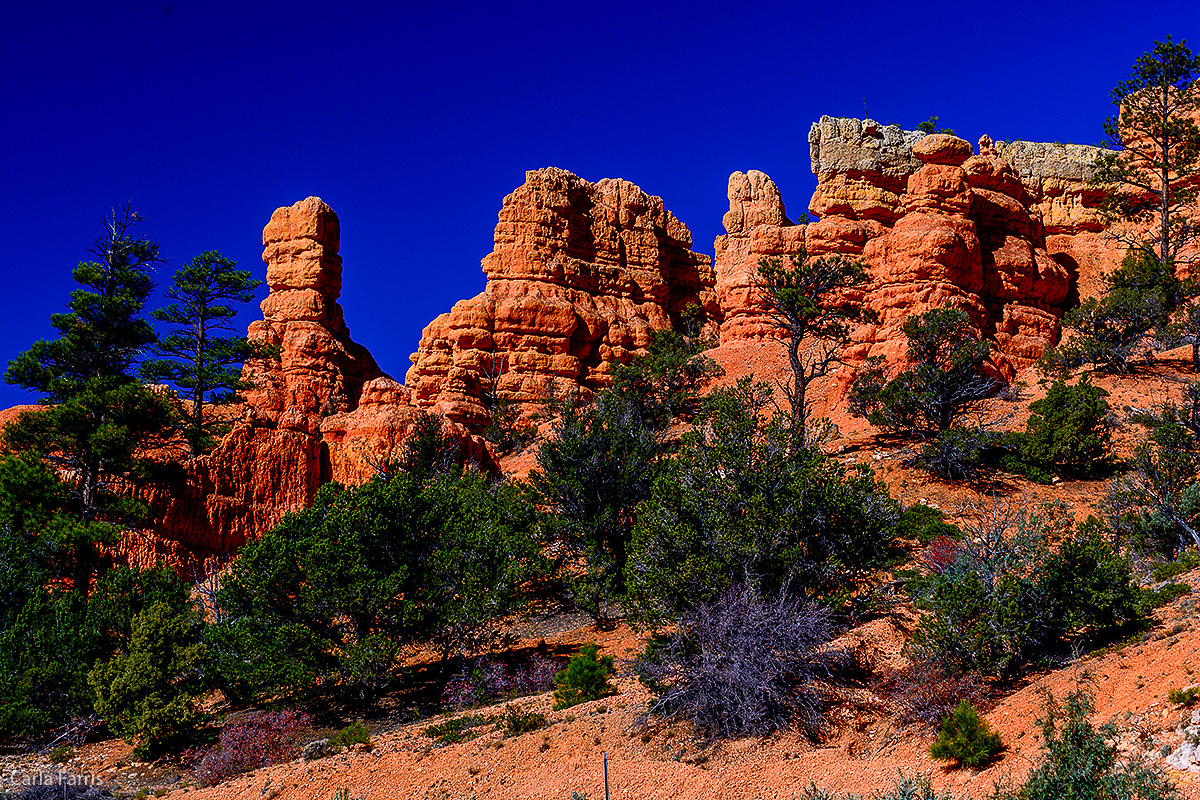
(937, 224)
(318, 410)
(580, 274)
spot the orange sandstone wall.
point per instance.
(937, 224)
(580, 274)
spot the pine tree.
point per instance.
(97, 419)
(966, 738)
(806, 300)
(148, 693)
(1157, 161)
(1156, 168)
(945, 379)
(194, 356)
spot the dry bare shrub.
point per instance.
(260, 739)
(746, 665)
(924, 692)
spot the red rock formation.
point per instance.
(580, 274)
(935, 224)
(757, 227)
(1056, 178)
(362, 441)
(318, 410)
(319, 370)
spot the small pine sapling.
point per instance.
(584, 679)
(966, 739)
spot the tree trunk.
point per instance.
(799, 434)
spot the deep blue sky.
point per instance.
(413, 120)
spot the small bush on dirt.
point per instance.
(261, 739)
(1008, 597)
(743, 665)
(956, 453)
(1184, 697)
(1080, 761)
(487, 679)
(584, 679)
(517, 721)
(61, 754)
(966, 738)
(1068, 428)
(1171, 569)
(455, 730)
(924, 524)
(1157, 598)
(356, 733)
(926, 693)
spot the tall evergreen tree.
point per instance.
(97, 418)
(1157, 161)
(194, 356)
(591, 475)
(103, 334)
(1156, 170)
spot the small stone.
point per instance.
(315, 750)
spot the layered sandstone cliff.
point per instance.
(1057, 177)
(580, 274)
(936, 223)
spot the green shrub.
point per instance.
(1157, 598)
(355, 733)
(1184, 697)
(736, 506)
(517, 721)
(332, 592)
(455, 730)
(966, 739)
(924, 524)
(1112, 330)
(1079, 761)
(1159, 498)
(1012, 443)
(148, 694)
(369, 666)
(956, 453)
(61, 754)
(584, 679)
(1068, 428)
(1006, 597)
(1088, 585)
(1170, 569)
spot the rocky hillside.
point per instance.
(582, 272)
